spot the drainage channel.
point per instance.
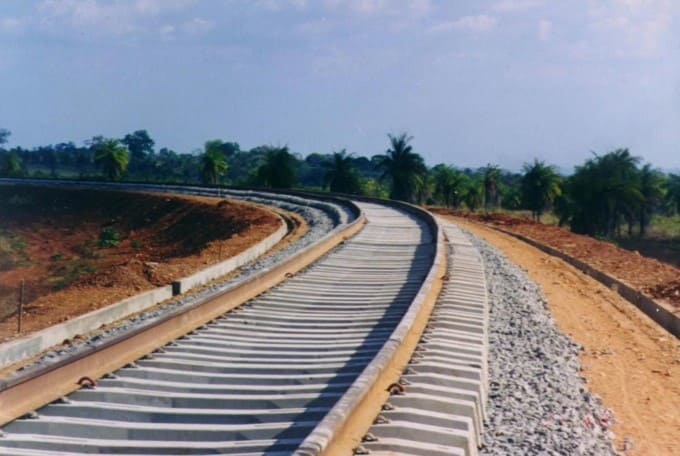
(258, 379)
(438, 407)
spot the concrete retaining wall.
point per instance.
(21, 349)
(664, 315)
(227, 266)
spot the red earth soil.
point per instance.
(655, 278)
(50, 238)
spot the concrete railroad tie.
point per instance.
(259, 378)
(441, 410)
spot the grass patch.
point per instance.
(88, 249)
(108, 237)
(12, 246)
(65, 274)
(665, 227)
(11, 242)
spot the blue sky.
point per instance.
(475, 82)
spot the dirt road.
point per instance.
(632, 364)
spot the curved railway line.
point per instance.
(292, 370)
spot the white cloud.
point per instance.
(633, 29)
(316, 27)
(638, 4)
(544, 29)
(413, 8)
(279, 5)
(480, 23)
(420, 7)
(299, 4)
(130, 18)
(11, 24)
(362, 7)
(156, 7)
(611, 23)
(167, 32)
(197, 26)
(513, 6)
(84, 11)
(77, 12)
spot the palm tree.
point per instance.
(672, 198)
(652, 189)
(10, 164)
(403, 167)
(449, 185)
(340, 175)
(604, 191)
(111, 157)
(4, 134)
(492, 175)
(278, 170)
(540, 185)
(473, 195)
(424, 187)
(213, 164)
(621, 190)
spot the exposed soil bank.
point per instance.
(79, 250)
(655, 278)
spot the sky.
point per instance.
(474, 82)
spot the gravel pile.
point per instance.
(538, 402)
(322, 217)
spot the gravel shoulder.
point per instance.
(626, 359)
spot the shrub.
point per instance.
(67, 273)
(108, 237)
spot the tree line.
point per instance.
(605, 196)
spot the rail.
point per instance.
(298, 360)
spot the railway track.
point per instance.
(278, 374)
(441, 409)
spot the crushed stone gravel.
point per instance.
(538, 401)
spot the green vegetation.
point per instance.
(88, 249)
(10, 164)
(12, 247)
(4, 135)
(62, 274)
(140, 145)
(404, 169)
(491, 180)
(450, 185)
(612, 195)
(278, 169)
(111, 157)
(213, 163)
(473, 196)
(540, 185)
(108, 237)
(340, 176)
